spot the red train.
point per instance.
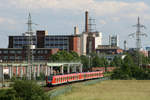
(60, 79)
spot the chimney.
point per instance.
(86, 21)
(76, 30)
(125, 45)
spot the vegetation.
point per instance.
(64, 56)
(129, 68)
(93, 60)
(109, 90)
(24, 90)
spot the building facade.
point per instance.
(107, 49)
(43, 40)
(90, 41)
(20, 54)
(114, 40)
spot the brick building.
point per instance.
(43, 40)
(20, 54)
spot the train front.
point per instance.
(49, 80)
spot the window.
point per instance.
(5, 57)
(12, 52)
(5, 52)
(11, 57)
(38, 52)
(18, 52)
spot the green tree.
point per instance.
(24, 90)
(62, 56)
(96, 62)
(130, 70)
(75, 56)
(85, 62)
(29, 90)
(117, 61)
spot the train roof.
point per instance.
(76, 73)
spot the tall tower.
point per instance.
(86, 21)
(125, 45)
(138, 34)
(29, 47)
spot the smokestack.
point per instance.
(138, 20)
(76, 30)
(86, 21)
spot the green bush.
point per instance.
(24, 90)
(130, 70)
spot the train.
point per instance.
(53, 80)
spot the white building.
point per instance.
(83, 43)
(98, 39)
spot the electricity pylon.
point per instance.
(138, 35)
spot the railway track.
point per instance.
(46, 89)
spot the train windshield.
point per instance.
(50, 77)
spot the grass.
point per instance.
(109, 90)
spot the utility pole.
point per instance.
(138, 35)
(29, 47)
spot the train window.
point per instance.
(56, 80)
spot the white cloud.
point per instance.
(100, 8)
(103, 22)
(116, 19)
(6, 20)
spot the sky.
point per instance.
(60, 16)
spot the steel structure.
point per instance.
(138, 34)
(29, 47)
(91, 31)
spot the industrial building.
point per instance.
(20, 54)
(44, 45)
(90, 38)
(113, 40)
(107, 49)
(43, 40)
